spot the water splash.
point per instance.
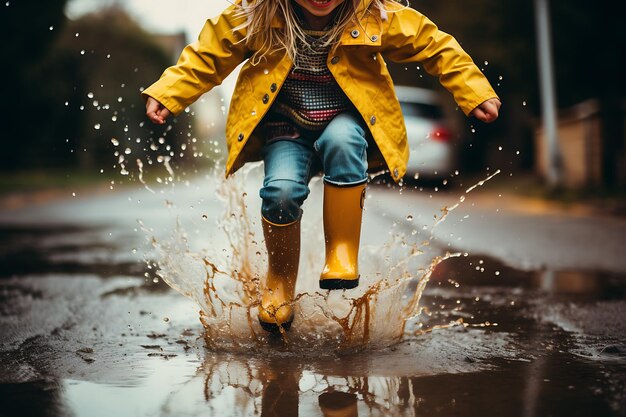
(140, 175)
(222, 274)
(445, 211)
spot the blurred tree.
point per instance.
(111, 59)
(79, 101)
(28, 29)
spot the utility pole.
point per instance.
(547, 87)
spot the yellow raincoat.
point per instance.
(357, 63)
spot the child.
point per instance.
(314, 94)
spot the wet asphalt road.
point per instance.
(528, 320)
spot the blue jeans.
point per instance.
(340, 152)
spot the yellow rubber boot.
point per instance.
(343, 211)
(278, 290)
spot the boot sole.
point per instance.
(338, 284)
(275, 328)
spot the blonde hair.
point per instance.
(265, 39)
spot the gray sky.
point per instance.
(161, 16)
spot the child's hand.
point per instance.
(156, 111)
(487, 111)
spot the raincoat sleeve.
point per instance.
(412, 37)
(202, 65)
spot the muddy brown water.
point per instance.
(104, 315)
(86, 332)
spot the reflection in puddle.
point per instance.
(410, 380)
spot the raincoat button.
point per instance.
(373, 120)
(266, 98)
(240, 137)
(335, 59)
(355, 33)
(374, 38)
(273, 87)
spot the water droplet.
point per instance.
(114, 118)
(127, 151)
(82, 52)
(205, 217)
(409, 218)
(90, 94)
(266, 71)
(166, 319)
(486, 62)
(76, 34)
(155, 280)
(119, 99)
(499, 148)
(115, 142)
(524, 103)
(51, 28)
(96, 126)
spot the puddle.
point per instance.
(86, 333)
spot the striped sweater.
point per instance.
(310, 97)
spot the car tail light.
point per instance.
(440, 133)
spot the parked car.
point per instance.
(432, 151)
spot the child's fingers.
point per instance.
(480, 114)
(154, 111)
(163, 113)
(488, 111)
